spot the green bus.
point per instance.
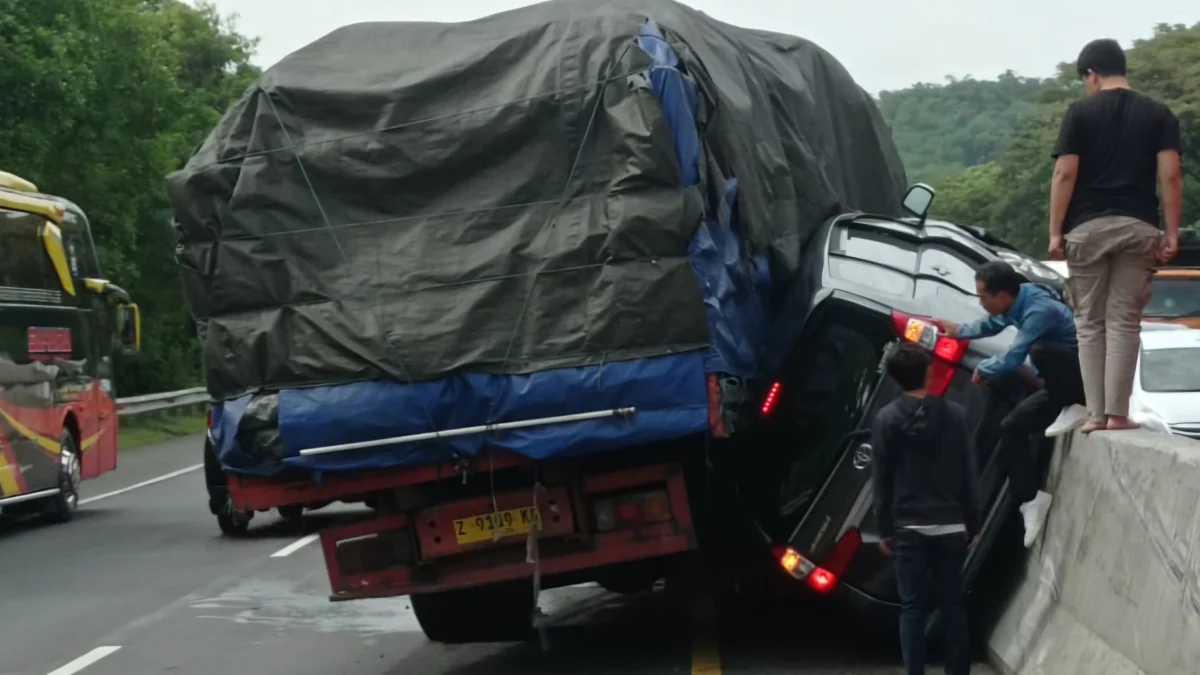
(61, 323)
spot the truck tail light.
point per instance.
(948, 352)
(632, 511)
(771, 399)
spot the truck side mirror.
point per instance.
(917, 201)
(129, 328)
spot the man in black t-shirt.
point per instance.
(1115, 147)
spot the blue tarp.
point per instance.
(669, 392)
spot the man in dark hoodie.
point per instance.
(927, 505)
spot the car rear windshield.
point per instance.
(1174, 298)
(1171, 370)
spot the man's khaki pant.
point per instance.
(1111, 260)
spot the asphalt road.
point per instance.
(141, 582)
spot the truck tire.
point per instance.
(220, 505)
(484, 614)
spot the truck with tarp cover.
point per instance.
(505, 282)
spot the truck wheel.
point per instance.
(232, 522)
(70, 475)
(486, 614)
(291, 512)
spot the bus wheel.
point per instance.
(70, 475)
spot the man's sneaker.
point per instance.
(1072, 417)
(1034, 514)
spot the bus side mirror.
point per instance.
(129, 327)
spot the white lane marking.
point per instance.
(295, 546)
(85, 661)
(142, 484)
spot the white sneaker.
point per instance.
(1034, 514)
(1072, 417)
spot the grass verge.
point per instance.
(139, 431)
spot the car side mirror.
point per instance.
(129, 328)
(917, 201)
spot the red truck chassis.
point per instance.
(581, 521)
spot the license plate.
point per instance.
(491, 526)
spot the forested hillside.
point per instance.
(1002, 132)
(100, 99)
(942, 129)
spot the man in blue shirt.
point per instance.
(1046, 336)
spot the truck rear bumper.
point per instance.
(385, 556)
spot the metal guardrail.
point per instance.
(137, 405)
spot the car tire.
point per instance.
(291, 512)
(486, 614)
(70, 475)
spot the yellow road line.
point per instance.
(706, 652)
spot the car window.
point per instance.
(825, 399)
(1174, 298)
(23, 262)
(1171, 370)
(876, 277)
(874, 246)
(953, 268)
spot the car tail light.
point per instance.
(771, 399)
(948, 351)
(821, 578)
(825, 577)
(793, 563)
(209, 421)
(631, 511)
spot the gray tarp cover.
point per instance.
(407, 199)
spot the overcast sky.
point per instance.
(892, 45)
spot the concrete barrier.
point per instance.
(1113, 587)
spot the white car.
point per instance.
(1166, 384)
(1059, 266)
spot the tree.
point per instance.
(1010, 195)
(942, 129)
(101, 99)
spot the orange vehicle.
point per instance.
(1175, 297)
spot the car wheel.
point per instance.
(70, 475)
(291, 512)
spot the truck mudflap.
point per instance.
(593, 521)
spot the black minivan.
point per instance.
(802, 469)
